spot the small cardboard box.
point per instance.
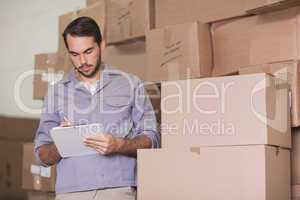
(128, 19)
(49, 69)
(179, 52)
(129, 57)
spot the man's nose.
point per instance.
(83, 59)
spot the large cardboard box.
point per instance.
(34, 176)
(231, 110)
(179, 52)
(11, 170)
(255, 40)
(229, 173)
(18, 129)
(170, 12)
(128, 19)
(129, 57)
(49, 69)
(288, 71)
(40, 196)
(296, 156)
(95, 11)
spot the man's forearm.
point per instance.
(48, 154)
(129, 147)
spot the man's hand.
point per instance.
(48, 154)
(105, 144)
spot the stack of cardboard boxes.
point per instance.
(227, 137)
(18, 168)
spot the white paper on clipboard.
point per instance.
(69, 140)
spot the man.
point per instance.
(94, 92)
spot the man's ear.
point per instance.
(102, 45)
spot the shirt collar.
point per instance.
(106, 76)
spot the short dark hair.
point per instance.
(83, 26)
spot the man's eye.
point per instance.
(74, 54)
(89, 52)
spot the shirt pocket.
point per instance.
(116, 108)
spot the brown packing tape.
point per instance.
(195, 150)
(287, 71)
(277, 93)
(150, 15)
(271, 102)
(167, 37)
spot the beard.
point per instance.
(92, 73)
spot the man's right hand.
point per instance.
(49, 154)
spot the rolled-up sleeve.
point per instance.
(143, 116)
(49, 119)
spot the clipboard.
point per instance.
(69, 140)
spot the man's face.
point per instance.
(85, 55)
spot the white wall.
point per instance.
(27, 27)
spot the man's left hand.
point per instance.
(105, 144)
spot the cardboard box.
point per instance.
(11, 170)
(296, 156)
(251, 41)
(128, 19)
(171, 12)
(36, 177)
(231, 110)
(264, 6)
(49, 69)
(288, 71)
(130, 57)
(40, 196)
(179, 52)
(95, 11)
(229, 173)
(18, 129)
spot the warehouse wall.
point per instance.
(27, 28)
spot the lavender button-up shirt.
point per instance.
(120, 106)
